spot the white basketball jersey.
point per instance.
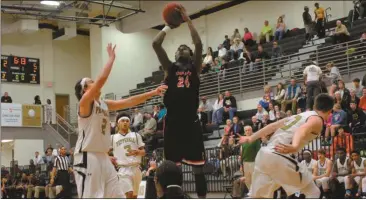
(322, 168)
(359, 168)
(122, 143)
(94, 130)
(285, 134)
(309, 166)
(342, 169)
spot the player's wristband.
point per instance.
(166, 29)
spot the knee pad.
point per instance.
(200, 181)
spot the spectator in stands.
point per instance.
(236, 34)
(343, 140)
(357, 87)
(260, 57)
(280, 29)
(48, 158)
(155, 112)
(265, 120)
(339, 119)
(222, 51)
(6, 98)
(267, 97)
(256, 124)
(271, 113)
(356, 178)
(248, 37)
(48, 108)
(248, 60)
(338, 100)
(362, 103)
(206, 107)
(32, 167)
(162, 113)
(169, 180)
(312, 74)
(38, 159)
(320, 20)
(334, 74)
(322, 171)
(354, 97)
(226, 43)
(266, 33)
(248, 153)
(288, 113)
(203, 118)
(308, 23)
(356, 117)
(363, 38)
(236, 49)
(345, 94)
(149, 127)
(137, 120)
(276, 53)
(298, 111)
(207, 61)
(236, 129)
(37, 100)
(229, 106)
(217, 105)
(341, 169)
(293, 91)
(260, 112)
(341, 33)
(280, 94)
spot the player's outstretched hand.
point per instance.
(113, 160)
(285, 149)
(161, 90)
(111, 50)
(183, 12)
(244, 139)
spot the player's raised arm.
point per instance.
(313, 126)
(95, 88)
(159, 50)
(135, 100)
(197, 57)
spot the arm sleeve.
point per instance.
(140, 143)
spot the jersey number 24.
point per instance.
(183, 81)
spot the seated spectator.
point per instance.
(222, 51)
(266, 33)
(341, 169)
(271, 113)
(162, 113)
(338, 100)
(267, 97)
(248, 60)
(169, 181)
(280, 94)
(207, 61)
(202, 117)
(334, 76)
(288, 113)
(280, 29)
(149, 127)
(322, 171)
(206, 107)
(354, 98)
(345, 94)
(6, 98)
(339, 119)
(236, 128)
(357, 176)
(276, 54)
(226, 43)
(236, 49)
(356, 117)
(363, 38)
(260, 58)
(48, 158)
(265, 120)
(256, 124)
(37, 100)
(298, 111)
(155, 112)
(362, 103)
(341, 33)
(248, 38)
(236, 34)
(137, 120)
(357, 87)
(229, 106)
(342, 140)
(260, 112)
(279, 112)
(293, 91)
(217, 105)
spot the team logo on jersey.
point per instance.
(183, 79)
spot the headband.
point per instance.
(124, 117)
(307, 151)
(170, 186)
(82, 83)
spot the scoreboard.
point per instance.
(16, 69)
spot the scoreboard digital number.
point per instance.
(16, 69)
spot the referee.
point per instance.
(60, 174)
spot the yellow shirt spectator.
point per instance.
(266, 29)
(319, 12)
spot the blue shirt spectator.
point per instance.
(339, 116)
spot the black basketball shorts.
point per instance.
(183, 142)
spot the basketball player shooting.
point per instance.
(95, 175)
(128, 149)
(274, 166)
(183, 140)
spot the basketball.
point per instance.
(171, 16)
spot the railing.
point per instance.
(65, 129)
(241, 77)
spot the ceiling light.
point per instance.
(50, 3)
(6, 141)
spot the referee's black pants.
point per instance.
(63, 178)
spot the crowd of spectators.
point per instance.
(39, 179)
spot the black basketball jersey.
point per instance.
(182, 96)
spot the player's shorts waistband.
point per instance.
(129, 165)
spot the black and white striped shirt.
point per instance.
(62, 163)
